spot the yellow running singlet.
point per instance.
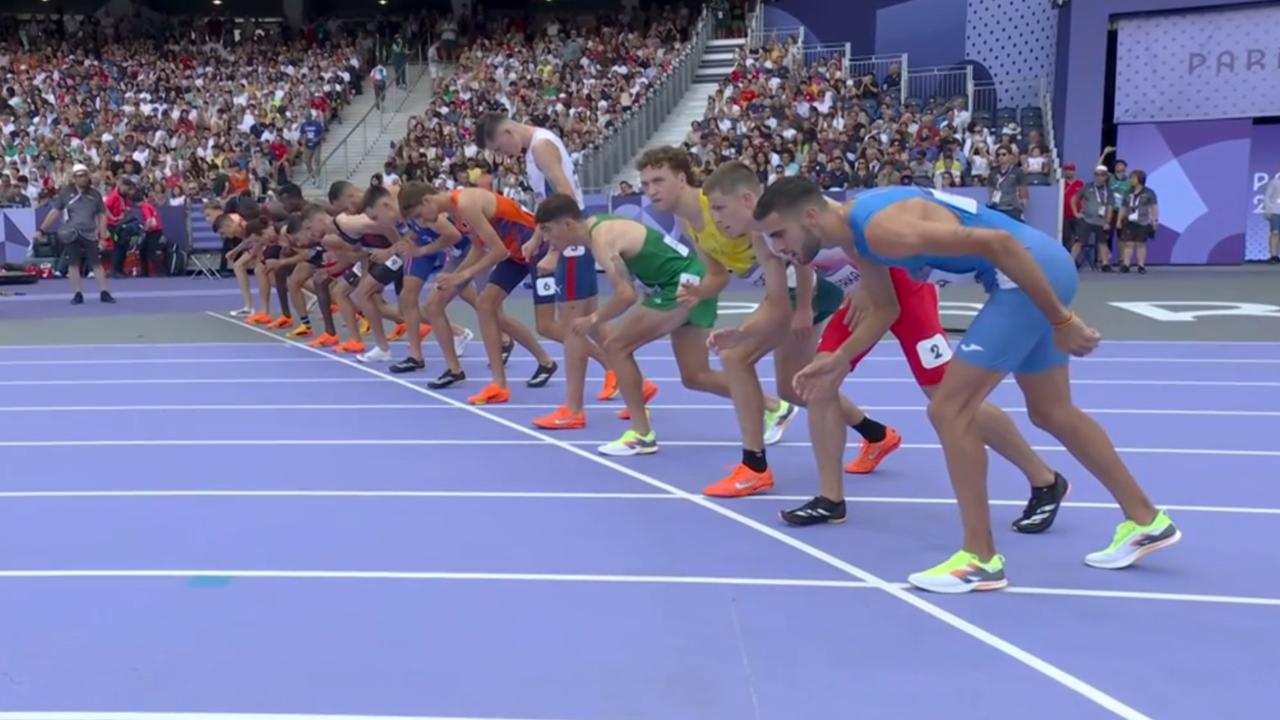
(735, 253)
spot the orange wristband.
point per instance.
(1062, 324)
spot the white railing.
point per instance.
(763, 37)
(878, 65)
(943, 83)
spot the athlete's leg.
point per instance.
(408, 301)
(294, 283)
(641, 326)
(241, 270)
(281, 281)
(577, 349)
(434, 312)
(368, 297)
(264, 289)
(322, 284)
(488, 306)
(341, 289)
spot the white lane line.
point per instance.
(190, 381)
(853, 380)
(565, 443)
(563, 495)
(608, 579)
(96, 715)
(163, 361)
(999, 644)
(723, 407)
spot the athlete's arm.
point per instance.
(362, 224)
(879, 315)
(806, 281)
(712, 284)
(775, 274)
(547, 156)
(900, 235)
(447, 237)
(471, 212)
(615, 268)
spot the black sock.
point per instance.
(305, 320)
(754, 459)
(870, 430)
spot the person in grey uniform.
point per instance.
(83, 229)
(1008, 184)
(1097, 213)
(1139, 218)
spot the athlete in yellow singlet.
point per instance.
(666, 176)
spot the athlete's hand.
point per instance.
(546, 265)
(724, 339)
(822, 376)
(855, 307)
(689, 294)
(381, 256)
(584, 325)
(272, 265)
(530, 248)
(1076, 337)
(802, 322)
(450, 282)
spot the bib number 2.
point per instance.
(934, 351)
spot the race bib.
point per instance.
(941, 278)
(791, 277)
(394, 263)
(934, 351)
(845, 277)
(574, 251)
(690, 279)
(674, 244)
(1004, 282)
(545, 286)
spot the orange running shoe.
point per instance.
(562, 419)
(350, 346)
(398, 332)
(873, 453)
(491, 395)
(258, 319)
(333, 309)
(743, 481)
(650, 390)
(365, 327)
(424, 330)
(302, 331)
(610, 389)
(324, 341)
(281, 322)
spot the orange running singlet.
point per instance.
(514, 224)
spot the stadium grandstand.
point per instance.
(554, 359)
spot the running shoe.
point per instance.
(1042, 508)
(650, 391)
(542, 375)
(962, 573)
(280, 323)
(610, 389)
(491, 395)
(1132, 541)
(424, 330)
(243, 312)
(324, 341)
(259, 319)
(507, 348)
(302, 331)
(106, 298)
(375, 355)
(352, 346)
(872, 453)
(776, 422)
(562, 419)
(78, 299)
(817, 511)
(408, 365)
(631, 443)
(448, 378)
(399, 331)
(365, 327)
(743, 481)
(460, 341)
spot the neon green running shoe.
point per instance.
(776, 423)
(1132, 541)
(962, 573)
(631, 443)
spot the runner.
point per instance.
(384, 268)
(242, 256)
(666, 176)
(1024, 328)
(788, 324)
(629, 249)
(571, 274)
(499, 228)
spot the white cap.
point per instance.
(1102, 169)
(79, 168)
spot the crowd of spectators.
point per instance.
(179, 107)
(784, 118)
(577, 78)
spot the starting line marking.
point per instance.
(949, 619)
(608, 579)
(225, 716)
(852, 380)
(536, 495)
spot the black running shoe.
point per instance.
(1106, 268)
(1124, 269)
(408, 365)
(77, 299)
(816, 511)
(543, 375)
(105, 297)
(1142, 269)
(1042, 508)
(507, 348)
(448, 378)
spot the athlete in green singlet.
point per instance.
(631, 251)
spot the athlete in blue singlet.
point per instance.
(1024, 328)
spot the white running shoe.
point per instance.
(243, 312)
(461, 340)
(375, 355)
(1132, 541)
